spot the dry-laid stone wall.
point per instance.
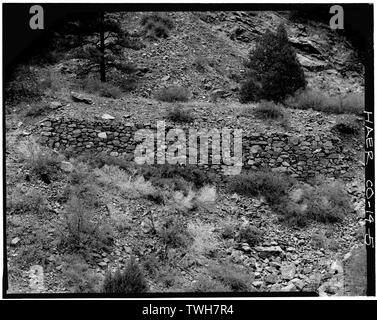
(299, 155)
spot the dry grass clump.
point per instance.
(79, 277)
(352, 103)
(347, 124)
(174, 233)
(269, 110)
(327, 202)
(203, 284)
(173, 93)
(115, 178)
(205, 241)
(234, 278)
(104, 89)
(180, 114)
(250, 234)
(272, 186)
(40, 160)
(191, 200)
(129, 280)
(22, 200)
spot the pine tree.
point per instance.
(274, 71)
(98, 37)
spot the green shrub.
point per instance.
(173, 94)
(269, 110)
(347, 124)
(274, 68)
(104, 89)
(129, 280)
(179, 114)
(250, 234)
(272, 186)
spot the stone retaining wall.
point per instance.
(300, 155)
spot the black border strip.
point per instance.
(13, 13)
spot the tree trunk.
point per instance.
(102, 48)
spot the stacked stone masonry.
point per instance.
(301, 156)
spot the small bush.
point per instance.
(130, 280)
(183, 202)
(347, 124)
(157, 17)
(104, 89)
(173, 94)
(269, 110)
(325, 202)
(151, 264)
(272, 186)
(179, 114)
(204, 240)
(82, 232)
(228, 231)
(37, 109)
(200, 63)
(314, 99)
(30, 201)
(23, 86)
(156, 25)
(250, 91)
(206, 195)
(231, 277)
(251, 235)
(321, 101)
(39, 160)
(115, 178)
(319, 241)
(174, 233)
(163, 174)
(353, 103)
(293, 214)
(79, 276)
(328, 203)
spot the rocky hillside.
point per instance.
(188, 231)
